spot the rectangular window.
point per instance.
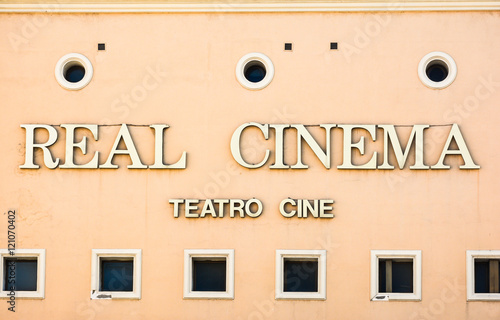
(396, 275)
(301, 274)
(23, 273)
(483, 275)
(486, 275)
(116, 274)
(209, 274)
(24, 277)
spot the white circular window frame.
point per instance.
(240, 71)
(68, 61)
(444, 58)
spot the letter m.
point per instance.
(390, 136)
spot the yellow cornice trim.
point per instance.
(251, 7)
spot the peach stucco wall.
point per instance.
(371, 79)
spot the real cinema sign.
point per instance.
(390, 142)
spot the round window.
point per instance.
(254, 71)
(437, 70)
(73, 71)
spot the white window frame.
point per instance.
(248, 58)
(415, 255)
(135, 254)
(320, 255)
(442, 57)
(39, 254)
(69, 60)
(481, 254)
(189, 254)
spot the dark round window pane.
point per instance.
(255, 72)
(74, 73)
(436, 72)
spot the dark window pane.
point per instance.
(300, 276)
(381, 276)
(255, 71)
(436, 71)
(74, 73)
(117, 275)
(481, 276)
(209, 275)
(20, 274)
(401, 276)
(498, 283)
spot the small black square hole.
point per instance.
(101, 46)
(288, 46)
(333, 46)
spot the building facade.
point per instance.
(250, 160)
